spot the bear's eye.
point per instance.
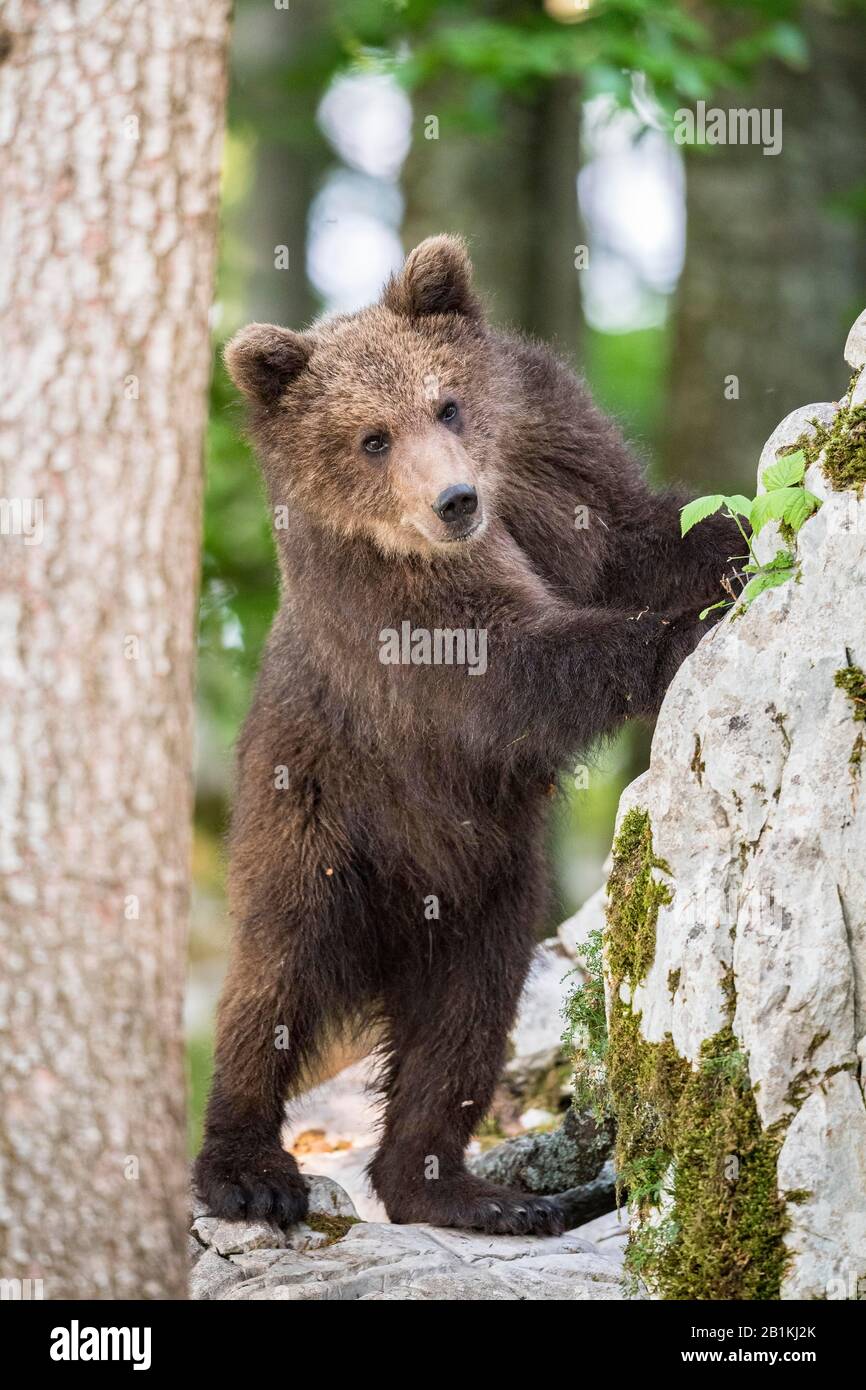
(376, 443)
(449, 412)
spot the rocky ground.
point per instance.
(335, 1255)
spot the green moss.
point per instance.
(779, 720)
(697, 1131)
(728, 985)
(644, 1178)
(673, 981)
(697, 765)
(646, 1249)
(334, 1227)
(730, 1217)
(852, 680)
(699, 1169)
(817, 1041)
(634, 899)
(800, 1087)
(843, 444)
(645, 1079)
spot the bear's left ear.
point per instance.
(262, 359)
(436, 279)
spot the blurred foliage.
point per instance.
(686, 51)
(627, 373)
(239, 568)
(502, 48)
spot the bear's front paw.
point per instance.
(469, 1202)
(260, 1186)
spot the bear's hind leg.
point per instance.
(449, 1020)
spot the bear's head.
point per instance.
(384, 423)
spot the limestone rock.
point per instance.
(379, 1261)
(254, 1245)
(568, 1157)
(212, 1276)
(756, 806)
(328, 1198)
(855, 347)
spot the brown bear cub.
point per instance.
(476, 584)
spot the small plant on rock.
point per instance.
(786, 500)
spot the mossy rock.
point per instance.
(700, 1171)
(840, 446)
(852, 681)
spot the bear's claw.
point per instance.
(266, 1188)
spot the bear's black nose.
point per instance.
(456, 502)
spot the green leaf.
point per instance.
(769, 579)
(723, 603)
(699, 510)
(772, 506)
(782, 560)
(801, 508)
(786, 471)
(738, 504)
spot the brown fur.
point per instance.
(412, 781)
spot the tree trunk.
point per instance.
(774, 274)
(110, 134)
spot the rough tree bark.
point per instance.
(110, 132)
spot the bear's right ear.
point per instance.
(436, 279)
(262, 359)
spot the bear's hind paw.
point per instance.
(470, 1203)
